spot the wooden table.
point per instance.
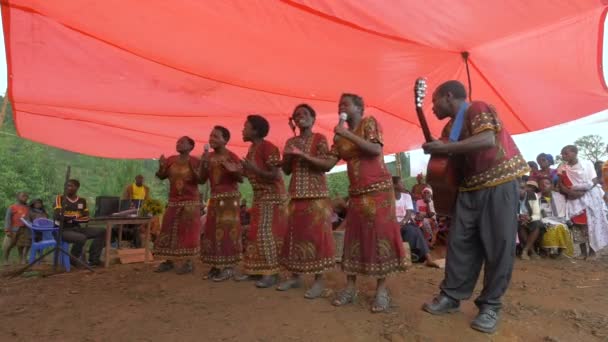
(120, 221)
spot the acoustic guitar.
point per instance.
(444, 172)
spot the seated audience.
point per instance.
(530, 224)
(75, 213)
(556, 239)
(426, 217)
(410, 233)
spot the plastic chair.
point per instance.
(48, 230)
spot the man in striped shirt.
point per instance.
(75, 213)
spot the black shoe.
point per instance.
(442, 304)
(186, 268)
(486, 321)
(164, 267)
(213, 272)
(94, 263)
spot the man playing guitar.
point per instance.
(485, 217)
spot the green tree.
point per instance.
(591, 147)
(25, 166)
(338, 184)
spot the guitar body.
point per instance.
(443, 172)
(444, 175)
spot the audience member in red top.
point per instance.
(15, 232)
(426, 216)
(418, 187)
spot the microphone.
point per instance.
(343, 117)
(206, 147)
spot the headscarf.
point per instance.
(546, 156)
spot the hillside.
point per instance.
(40, 170)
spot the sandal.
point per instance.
(186, 268)
(292, 283)
(382, 302)
(213, 272)
(238, 277)
(224, 275)
(346, 296)
(315, 291)
(266, 281)
(165, 266)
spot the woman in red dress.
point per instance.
(180, 235)
(269, 208)
(308, 247)
(222, 245)
(372, 242)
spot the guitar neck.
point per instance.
(424, 125)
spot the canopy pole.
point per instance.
(465, 56)
(398, 164)
(4, 105)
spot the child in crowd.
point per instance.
(16, 233)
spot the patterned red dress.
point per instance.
(309, 244)
(222, 243)
(372, 241)
(180, 233)
(268, 213)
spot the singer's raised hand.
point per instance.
(292, 125)
(205, 155)
(161, 161)
(341, 131)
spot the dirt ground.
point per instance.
(549, 300)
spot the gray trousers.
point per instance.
(414, 236)
(482, 231)
(78, 236)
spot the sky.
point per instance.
(549, 140)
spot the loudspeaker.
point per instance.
(106, 205)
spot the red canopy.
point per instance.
(120, 78)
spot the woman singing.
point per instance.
(181, 228)
(372, 242)
(222, 245)
(269, 208)
(308, 247)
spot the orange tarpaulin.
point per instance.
(124, 78)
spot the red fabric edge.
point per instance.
(6, 25)
(600, 49)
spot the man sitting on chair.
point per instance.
(75, 213)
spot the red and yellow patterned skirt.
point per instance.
(309, 244)
(372, 241)
(265, 236)
(222, 243)
(180, 233)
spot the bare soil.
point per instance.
(549, 300)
